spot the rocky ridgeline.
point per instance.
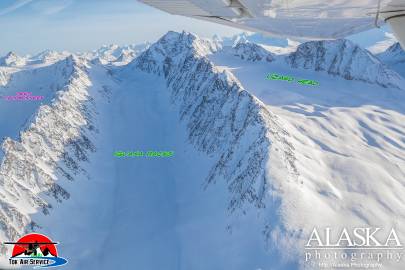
(49, 149)
(223, 119)
(345, 59)
(251, 52)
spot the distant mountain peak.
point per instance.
(394, 57)
(12, 59)
(394, 53)
(11, 54)
(257, 38)
(49, 56)
(251, 52)
(115, 53)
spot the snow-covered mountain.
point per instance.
(12, 60)
(346, 153)
(49, 56)
(113, 52)
(126, 57)
(257, 164)
(394, 57)
(220, 115)
(345, 59)
(275, 45)
(48, 149)
(108, 52)
(251, 52)
(256, 38)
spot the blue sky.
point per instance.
(31, 26)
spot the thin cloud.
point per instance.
(18, 4)
(51, 7)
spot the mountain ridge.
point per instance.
(36, 155)
(345, 59)
(270, 163)
(180, 59)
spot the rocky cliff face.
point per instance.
(49, 149)
(223, 119)
(345, 59)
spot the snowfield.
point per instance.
(257, 163)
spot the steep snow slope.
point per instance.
(41, 81)
(221, 116)
(348, 138)
(88, 167)
(167, 209)
(48, 150)
(219, 119)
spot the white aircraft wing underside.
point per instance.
(311, 19)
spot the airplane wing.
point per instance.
(305, 19)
